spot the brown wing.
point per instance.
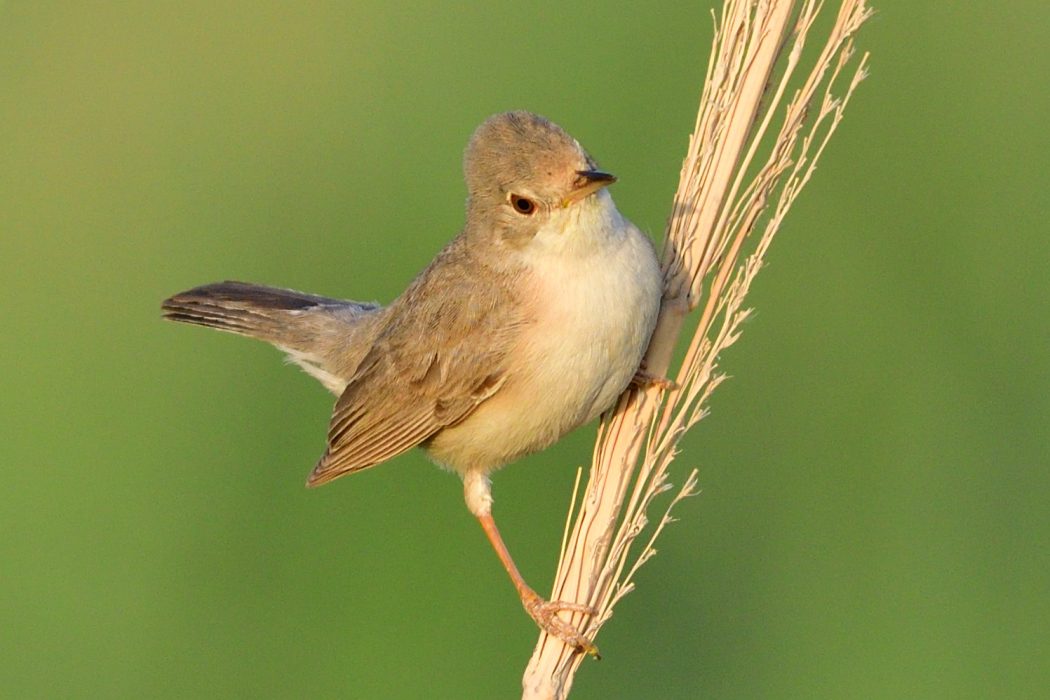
(430, 368)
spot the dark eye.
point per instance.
(522, 205)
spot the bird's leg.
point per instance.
(544, 612)
(644, 380)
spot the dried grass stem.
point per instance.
(718, 206)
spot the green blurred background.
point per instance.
(875, 515)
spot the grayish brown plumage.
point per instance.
(525, 326)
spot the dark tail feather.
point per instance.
(267, 313)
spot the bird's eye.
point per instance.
(522, 205)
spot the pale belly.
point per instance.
(593, 319)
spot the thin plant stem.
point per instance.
(713, 249)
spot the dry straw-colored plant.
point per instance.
(710, 258)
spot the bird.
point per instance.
(527, 325)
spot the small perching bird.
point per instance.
(527, 325)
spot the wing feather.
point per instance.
(428, 369)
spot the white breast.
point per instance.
(598, 285)
(594, 293)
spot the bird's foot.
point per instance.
(545, 613)
(644, 380)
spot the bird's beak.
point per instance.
(587, 183)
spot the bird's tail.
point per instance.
(317, 332)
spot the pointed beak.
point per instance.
(587, 183)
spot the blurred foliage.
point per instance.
(874, 519)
